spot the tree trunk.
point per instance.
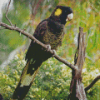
(77, 91)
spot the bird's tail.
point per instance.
(27, 78)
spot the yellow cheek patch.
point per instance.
(58, 12)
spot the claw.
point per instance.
(48, 47)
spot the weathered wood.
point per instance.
(77, 91)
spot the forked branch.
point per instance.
(76, 87)
(7, 14)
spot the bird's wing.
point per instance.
(34, 48)
(34, 61)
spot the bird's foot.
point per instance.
(48, 47)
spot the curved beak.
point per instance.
(69, 17)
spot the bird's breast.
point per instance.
(52, 39)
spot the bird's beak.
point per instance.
(69, 17)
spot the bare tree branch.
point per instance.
(76, 87)
(7, 13)
(92, 83)
(38, 42)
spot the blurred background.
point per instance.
(53, 79)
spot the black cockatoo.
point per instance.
(49, 32)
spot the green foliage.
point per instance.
(10, 40)
(19, 16)
(48, 84)
(53, 79)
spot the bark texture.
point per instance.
(77, 91)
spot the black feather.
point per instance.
(49, 31)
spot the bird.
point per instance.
(50, 31)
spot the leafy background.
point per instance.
(53, 79)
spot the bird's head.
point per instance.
(62, 14)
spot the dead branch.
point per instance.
(80, 52)
(76, 87)
(38, 42)
(7, 13)
(92, 83)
